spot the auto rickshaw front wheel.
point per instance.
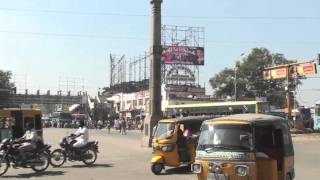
(156, 168)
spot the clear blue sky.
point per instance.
(35, 42)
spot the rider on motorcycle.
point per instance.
(81, 136)
(28, 141)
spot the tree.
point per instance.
(5, 85)
(250, 82)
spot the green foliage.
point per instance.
(250, 82)
(5, 77)
(5, 85)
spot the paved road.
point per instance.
(122, 157)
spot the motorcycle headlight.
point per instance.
(241, 170)
(196, 168)
(167, 148)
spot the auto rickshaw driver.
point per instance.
(182, 146)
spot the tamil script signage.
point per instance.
(182, 55)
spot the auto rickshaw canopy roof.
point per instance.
(189, 119)
(256, 119)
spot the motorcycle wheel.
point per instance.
(58, 158)
(4, 165)
(92, 160)
(46, 160)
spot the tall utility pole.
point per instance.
(235, 77)
(154, 111)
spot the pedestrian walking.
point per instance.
(120, 125)
(109, 126)
(123, 126)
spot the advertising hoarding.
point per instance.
(295, 70)
(275, 73)
(307, 69)
(182, 55)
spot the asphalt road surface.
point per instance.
(122, 157)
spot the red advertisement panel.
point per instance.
(183, 55)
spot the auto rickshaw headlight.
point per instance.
(167, 148)
(241, 170)
(196, 168)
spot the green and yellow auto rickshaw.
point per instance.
(245, 146)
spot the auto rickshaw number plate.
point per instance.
(214, 176)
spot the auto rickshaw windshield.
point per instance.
(225, 137)
(164, 130)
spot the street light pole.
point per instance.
(235, 83)
(235, 78)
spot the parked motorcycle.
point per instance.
(87, 154)
(38, 159)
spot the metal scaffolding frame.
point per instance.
(172, 35)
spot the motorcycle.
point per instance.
(38, 159)
(87, 154)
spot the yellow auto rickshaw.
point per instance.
(174, 142)
(13, 122)
(245, 146)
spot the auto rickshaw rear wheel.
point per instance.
(156, 168)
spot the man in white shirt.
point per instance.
(28, 141)
(82, 136)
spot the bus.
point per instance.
(217, 108)
(61, 119)
(316, 116)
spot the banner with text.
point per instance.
(182, 55)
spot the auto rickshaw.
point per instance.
(245, 146)
(13, 122)
(174, 142)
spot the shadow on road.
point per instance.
(43, 174)
(178, 170)
(92, 166)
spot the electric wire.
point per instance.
(165, 16)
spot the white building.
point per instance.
(137, 103)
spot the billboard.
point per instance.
(182, 55)
(295, 70)
(275, 73)
(307, 69)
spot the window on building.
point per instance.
(134, 103)
(140, 102)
